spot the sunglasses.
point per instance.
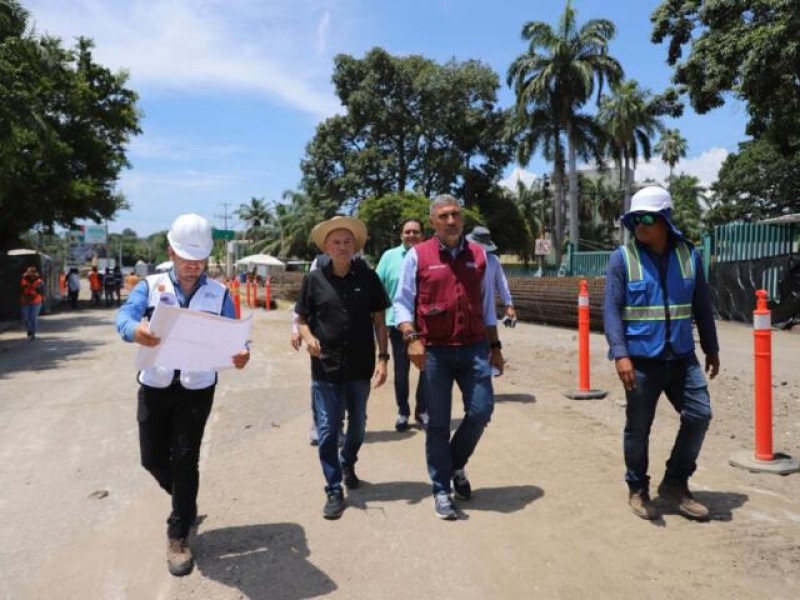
(645, 219)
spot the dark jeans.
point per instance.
(30, 316)
(469, 367)
(683, 382)
(402, 366)
(331, 400)
(171, 425)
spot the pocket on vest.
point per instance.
(437, 321)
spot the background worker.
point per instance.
(31, 290)
(388, 271)
(173, 406)
(95, 285)
(495, 274)
(655, 289)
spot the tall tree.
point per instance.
(758, 182)
(629, 116)
(672, 147)
(744, 47)
(255, 215)
(64, 124)
(561, 69)
(687, 213)
(410, 124)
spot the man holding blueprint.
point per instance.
(176, 319)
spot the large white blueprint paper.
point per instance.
(193, 341)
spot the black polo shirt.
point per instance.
(339, 313)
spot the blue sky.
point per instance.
(231, 90)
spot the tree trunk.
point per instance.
(626, 235)
(558, 212)
(573, 191)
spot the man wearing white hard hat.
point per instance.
(173, 406)
(655, 290)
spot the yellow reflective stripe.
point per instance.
(633, 262)
(656, 313)
(685, 260)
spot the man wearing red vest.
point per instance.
(445, 310)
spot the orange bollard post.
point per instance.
(237, 299)
(247, 290)
(764, 460)
(762, 347)
(584, 391)
(268, 293)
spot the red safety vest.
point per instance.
(449, 308)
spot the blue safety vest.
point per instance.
(651, 304)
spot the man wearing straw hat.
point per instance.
(341, 313)
(655, 289)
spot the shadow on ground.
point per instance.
(521, 398)
(720, 504)
(51, 346)
(505, 499)
(262, 561)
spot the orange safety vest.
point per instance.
(29, 291)
(95, 282)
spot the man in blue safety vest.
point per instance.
(655, 288)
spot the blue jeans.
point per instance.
(30, 314)
(683, 382)
(331, 400)
(469, 367)
(402, 366)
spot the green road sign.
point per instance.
(222, 234)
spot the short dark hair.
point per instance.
(409, 220)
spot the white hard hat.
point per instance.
(653, 198)
(190, 237)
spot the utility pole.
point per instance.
(224, 216)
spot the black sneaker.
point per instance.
(334, 506)
(444, 507)
(401, 423)
(461, 485)
(350, 478)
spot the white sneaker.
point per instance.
(313, 437)
(423, 419)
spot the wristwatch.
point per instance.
(498, 344)
(383, 356)
(410, 336)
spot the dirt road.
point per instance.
(549, 519)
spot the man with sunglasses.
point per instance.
(655, 290)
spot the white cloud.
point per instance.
(248, 45)
(322, 32)
(518, 174)
(704, 166)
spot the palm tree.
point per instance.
(562, 77)
(255, 215)
(672, 147)
(630, 121)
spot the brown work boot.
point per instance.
(642, 506)
(678, 493)
(179, 557)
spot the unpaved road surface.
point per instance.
(549, 519)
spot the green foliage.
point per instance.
(671, 147)
(383, 216)
(749, 48)
(687, 215)
(410, 124)
(64, 124)
(502, 215)
(758, 182)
